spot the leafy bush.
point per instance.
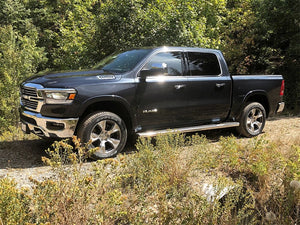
(14, 203)
(19, 57)
(15, 134)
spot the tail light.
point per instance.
(282, 88)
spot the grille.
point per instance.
(29, 98)
(29, 91)
(30, 104)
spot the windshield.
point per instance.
(122, 62)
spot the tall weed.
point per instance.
(14, 204)
(162, 183)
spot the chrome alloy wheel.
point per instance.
(106, 135)
(255, 119)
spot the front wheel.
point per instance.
(252, 120)
(107, 132)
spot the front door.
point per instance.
(162, 97)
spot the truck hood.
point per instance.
(73, 79)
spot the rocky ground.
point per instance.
(22, 159)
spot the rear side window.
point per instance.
(173, 61)
(201, 64)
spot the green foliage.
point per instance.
(66, 31)
(293, 163)
(14, 13)
(66, 199)
(255, 158)
(19, 58)
(62, 152)
(264, 169)
(65, 34)
(126, 24)
(262, 37)
(14, 203)
(14, 134)
(238, 36)
(278, 30)
(162, 183)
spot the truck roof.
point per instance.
(180, 48)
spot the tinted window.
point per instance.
(203, 64)
(172, 59)
(122, 62)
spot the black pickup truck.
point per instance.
(148, 91)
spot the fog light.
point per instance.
(55, 126)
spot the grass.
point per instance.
(15, 134)
(251, 181)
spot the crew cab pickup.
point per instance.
(148, 91)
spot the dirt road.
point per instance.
(22, 159)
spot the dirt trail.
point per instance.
(22, 159)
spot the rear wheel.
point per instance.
(252, 120)
(107, 132)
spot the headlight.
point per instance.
(58, 96)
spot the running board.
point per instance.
(190, 129)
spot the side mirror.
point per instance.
(155, 69)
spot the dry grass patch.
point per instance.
(172, 179)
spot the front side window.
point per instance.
(201, 64)
(172, 60)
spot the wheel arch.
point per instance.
(113, 104)
(260, 97)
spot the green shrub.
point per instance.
(156, 185)
(14, 203)
(264, 170)
(162, 183)
(19, 58)
(66, 198)
(15, 134)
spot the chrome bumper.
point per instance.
(280, 107)
(46, 126)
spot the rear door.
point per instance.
(208, 88)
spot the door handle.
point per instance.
(220, 85)
(179, 86)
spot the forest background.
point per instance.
(256, 37)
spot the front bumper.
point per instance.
(280, 107)
(46, 126)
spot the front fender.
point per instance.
(112, 103)
(104, 98)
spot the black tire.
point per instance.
(106, 130)
(252, 120)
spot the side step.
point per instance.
(190, 129)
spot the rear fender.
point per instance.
(257, 96)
